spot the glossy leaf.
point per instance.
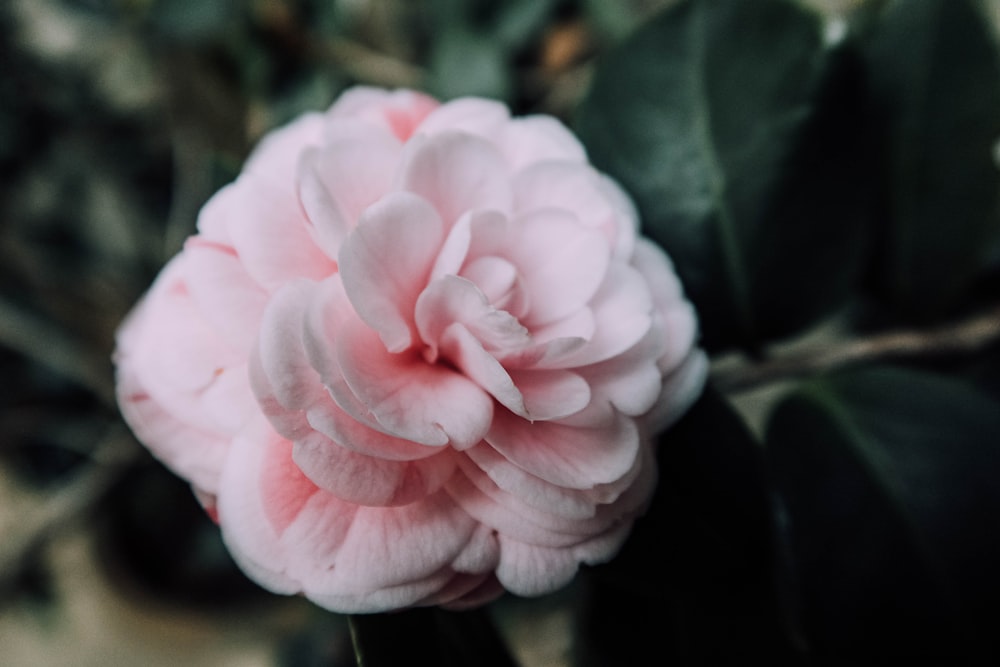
(936, 78)
(710, 117)
(428, 636)
(889, 478)
(693, 585)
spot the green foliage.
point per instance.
(936, 86)
(474, 44)
(789, 175)
(694, 584)
(709, 115)
(889, 481)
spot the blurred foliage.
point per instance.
(801, 167)
(888, 477)
(711, 117)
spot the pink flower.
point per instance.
(414, 355)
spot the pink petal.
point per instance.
(452, 299)
(325, 223)
(340, 180)
(531, 570)
(290, 378)
(329, 419)
(532, 491)
(680, 390)
(463, 587)
(457, 173)
(456, 246)
(254, 510)
(622, 311)
(463, 350)
(532, 139)
(193, 453)
(393, 546)
(270, 235)
(329, 313)
(228, 298)
(381, 600)
(477, 116)
(325, 312)
(386, 261)
(178, 358)
(680, 324)
(480, 554)
(577, 458)
(499, 280)
(275, 158)
(563, 185)
(626, 217)
(561, 263)
(630, 381)
(505, 514)
(398, 111)
(487, 591)
(368, 480)
(410, 398)
(551, 394)
(578, 188)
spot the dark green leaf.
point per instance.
(937, 82)
(889, 478)
(521, 20)
(193, 20)
(708, 117)
(466, 62)
(693, 584)
(428, 636)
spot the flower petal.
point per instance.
(457, 173)
(385, 262)
(342, 178)
(577, 187)
(368, 480)
(260, 494)
(398, 111)
(275, 157)
(574, 457)
(225, 294)
(410, 398)
(551, 394)
(532, 139)
(622, 310)
(285, 371)
(481, 117)
(561, 262)
(531, 570)
(451, 299)
(269, 233)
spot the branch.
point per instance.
(47, 344)
(964, 337)
(34, 527)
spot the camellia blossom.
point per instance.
(416, 354)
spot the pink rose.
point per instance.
(414, 355)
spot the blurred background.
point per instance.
(119, 119)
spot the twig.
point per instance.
(967, 336)
(50, 346)
(367, 64)
(33, 528)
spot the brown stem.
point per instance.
(964, 337)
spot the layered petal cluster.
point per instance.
(415, 354)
